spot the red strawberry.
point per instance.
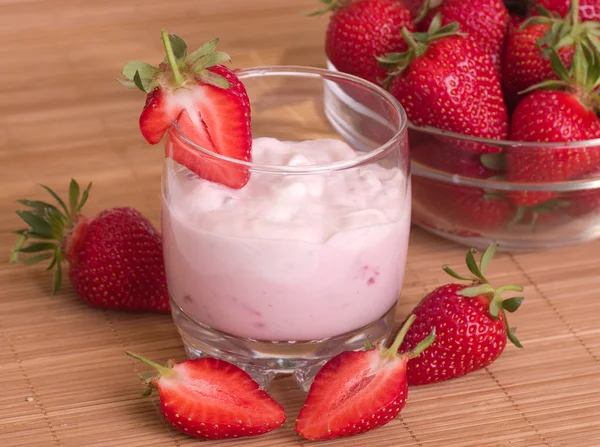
(485, 20)
(470, 324)
(464, 207)
(543, 213)
(583, 203)
(212, 399)
(524, 61)
(527, 55)
(556, 116)
(206, 99)
(446, 158)
(414, 6)
(589, 10)
(446, 80)
(115, 258)
(514, 23)
(358, 391)
(359, 31)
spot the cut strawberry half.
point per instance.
(212, 399)
(207, 101)
(356, 392)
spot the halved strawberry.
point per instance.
(212, 399)
(358, 391)
(207, 101)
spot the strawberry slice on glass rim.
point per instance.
(207, 102)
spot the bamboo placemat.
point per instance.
(64, 378)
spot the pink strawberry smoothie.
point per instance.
(287, 257)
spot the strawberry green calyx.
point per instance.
(418, 43)
(564, 31)
(425, 8)
(481, 286)
(49, 227)
(544, 208)
(392, 351)
(582, 79)
(495, 162)
(330, 6)
(178, 69)
(163, 371)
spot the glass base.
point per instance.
(264, 360)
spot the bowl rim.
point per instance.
(419, 169)
(436, 131)
(583, 184)
(505, 144)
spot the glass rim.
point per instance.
(582, 184)
(504, 144)
(325, 74)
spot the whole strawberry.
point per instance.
(470, 324)
(359, 31)
(528, 47)
(544, 213)
(445, 80)
(563, 111)
(115, 258)
(589, 10)
(485, 20)
(358, 391)
(205, 99)
(583, 203)
(446, 158)
(463, 207)
(209, 398)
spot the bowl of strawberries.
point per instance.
(502, 100)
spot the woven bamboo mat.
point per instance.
(64, 378)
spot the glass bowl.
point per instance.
(461, 195)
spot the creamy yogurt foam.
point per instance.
(288, 257)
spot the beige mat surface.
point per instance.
(64, 377)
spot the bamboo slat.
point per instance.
(64, 379)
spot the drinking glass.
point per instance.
(279, 281)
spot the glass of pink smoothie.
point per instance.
(307, 259)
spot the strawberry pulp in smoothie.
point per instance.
(287, 257)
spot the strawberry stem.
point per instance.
(332, 5)
(423, 344)
(511, 287)
(177, 76)
(162, 370)
(575, 12)
(423, 10)
(393, 350)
